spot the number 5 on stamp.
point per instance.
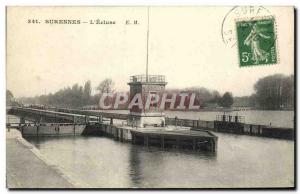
(256, 42)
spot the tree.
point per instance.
(204, 96)
(288, 92)
(9, 97)
(215, 97)
(244, 101)
(87, 91)
(275, 92)
(226, 100)
(106, 86)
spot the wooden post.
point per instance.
(146, 139)
(111, 121)
(22, 120)
(74, 130)
(211, 145)
(177, 142)
(122, 133)
(133, 138)
(236, 119)
(215, 144)
(259, 130)
(194, 144)
(162, 142)
(74, 120)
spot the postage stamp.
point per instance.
(256, 41)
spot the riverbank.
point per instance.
(39, 174)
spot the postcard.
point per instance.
(150, 97)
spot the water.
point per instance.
(241, 161)
(276, 118)
(261, 117)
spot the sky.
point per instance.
(185, 45)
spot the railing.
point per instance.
(151, 78)
(230, 118)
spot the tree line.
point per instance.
(206, 98)
(79, 96)
(272, 92)
(76, 96)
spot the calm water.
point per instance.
(241, 161)
(276, 118)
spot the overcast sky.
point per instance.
(185, 45)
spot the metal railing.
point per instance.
(151, 78)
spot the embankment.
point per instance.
(26, 167)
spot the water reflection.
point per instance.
(103, 162)
(150, 167)
(135, 166)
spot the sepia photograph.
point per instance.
(150, 97)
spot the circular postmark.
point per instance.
(228, 30)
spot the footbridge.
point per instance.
(58, 115)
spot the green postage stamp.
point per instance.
(256, 41)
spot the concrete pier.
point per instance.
(170, 137)
(186, 139)
(39, 174)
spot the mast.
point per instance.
(147, 60)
